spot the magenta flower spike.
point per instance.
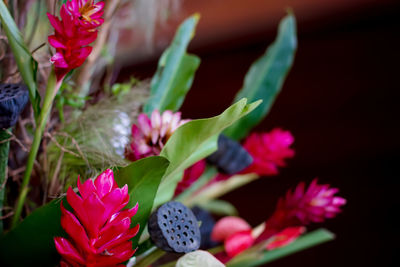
(87, 12)
(150, 135)
(301, 207)
(99, 230)
(269, 151)
(73, 34)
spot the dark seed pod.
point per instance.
(206, 227)
(174, 228)
(231, 157)
(13, 98)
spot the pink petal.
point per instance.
(144, 124)
(66, 249)
(285, 237)
(56, 23)
(227, 226)
(59, 61)
(109, 237)
(54, 42)
(96, 214)
(121, 215)
(74, 229)
(104, 183)
(87, 188)
(155, 119)
(116, 200)
(76, 203)
(121, 238)
(238, 242)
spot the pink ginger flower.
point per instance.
(86, 12)
(301, 207)
(269, 151)
(98, 229)
(190, 176)
(73, 34)
(151, 134)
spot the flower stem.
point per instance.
(151, 258)
(52, 87)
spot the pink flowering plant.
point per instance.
(125, 178)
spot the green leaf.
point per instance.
(143, 178)
(219, 207)
(258, 258)
(193, 141)
(27, 66)
(31, 242)
(265, 77)
(175, 72)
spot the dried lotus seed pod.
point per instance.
(13, 98)
(231, 157)
(174, 228)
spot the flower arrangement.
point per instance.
(158, 175)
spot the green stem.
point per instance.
(52, 87)
(4, 148)
(151, 258)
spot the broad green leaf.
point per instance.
(257, 258)
(31, 242)
(265, 77)
(175, 72)
(143, 178)
(27, 66)
(219, 189)
(193, 141)
(219, 207)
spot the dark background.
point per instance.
(340, 101)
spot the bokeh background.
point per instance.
(340, 101)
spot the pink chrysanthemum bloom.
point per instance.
(73, 33)
(269, 151)
(301, 207)
(98, 229)
(151, 134)
(190, 176)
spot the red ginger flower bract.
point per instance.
(301, 207)
(238, 242)
(285, 237)
(73, 33)
(99, 230)
(151, 134)
(269, 151)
